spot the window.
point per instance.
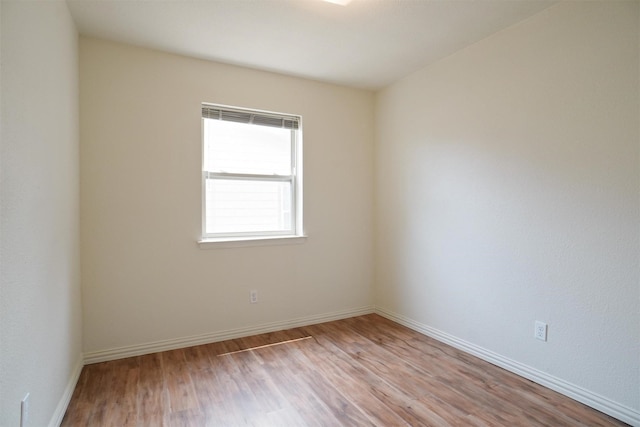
(251, 174)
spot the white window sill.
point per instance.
(242, 242)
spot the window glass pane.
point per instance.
(249, 149)
(247, 206)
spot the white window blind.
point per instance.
(250, 117)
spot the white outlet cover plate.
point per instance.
(540, 331)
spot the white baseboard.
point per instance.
(172, 344)
(616, 410)
(58, 415)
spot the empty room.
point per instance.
(319, 213)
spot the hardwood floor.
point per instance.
(363, 371)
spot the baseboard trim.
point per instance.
(58, 414)
(603, 404)
(172, 344)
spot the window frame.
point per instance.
(294, 178)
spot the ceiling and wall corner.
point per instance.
(366, 44)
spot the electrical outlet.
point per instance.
(24, 411)
(253, 297)
(540, 331)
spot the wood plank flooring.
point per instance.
(363, 371)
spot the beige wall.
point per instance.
(144, 277)
(40, 323)
(508, 192)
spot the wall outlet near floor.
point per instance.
(24, 411)
(540, 331)
(253, 297)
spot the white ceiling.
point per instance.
(367, 44)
